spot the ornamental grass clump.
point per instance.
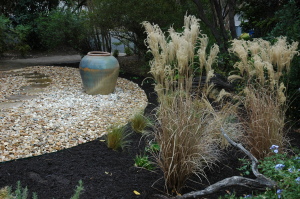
(117, 137)
(139, 123)
(261, 69)
(187, 132)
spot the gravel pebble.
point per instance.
(60, 115)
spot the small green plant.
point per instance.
(117, 138)
(116, 53)
(144, 162)
(245, 168)
(153, 147)
(79, 189)
(19, 193)
(139, 123)
(22, 193)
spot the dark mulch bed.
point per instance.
(107, 174)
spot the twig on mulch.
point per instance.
(260, 183)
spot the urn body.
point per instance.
(99, 72)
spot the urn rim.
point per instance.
(98, 53)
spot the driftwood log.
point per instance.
(260, 183)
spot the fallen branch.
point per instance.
(260, 183)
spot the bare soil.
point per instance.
(109, 174)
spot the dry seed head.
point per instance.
(191, 29)
(183, 56)
(202, 51)
(282, 53)
(239, 47)
(212, 57)
(254, 48)
(259, 66)
(209, 89)
(209, 75)
(281, 93)
(223, 94)
(232, 78)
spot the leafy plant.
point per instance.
(139, 123)
(245, 168)
(57, 29)
(153, 147)
(117, 137)
(144, 162)
(284, 169)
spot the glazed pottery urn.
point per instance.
(99, 72)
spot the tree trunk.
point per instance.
(231, 13)
(213, 28)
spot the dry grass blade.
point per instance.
(186, 148)
(264, 122)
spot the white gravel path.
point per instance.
(61, 115)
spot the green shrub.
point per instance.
(117, 138)
(4, 29)
(14, 37)
(128, 51)
(22, 32)
(62, 27)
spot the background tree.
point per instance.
(25, 11)
(259, 15)
(125, 18)
(218, 16)
(63, 28)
